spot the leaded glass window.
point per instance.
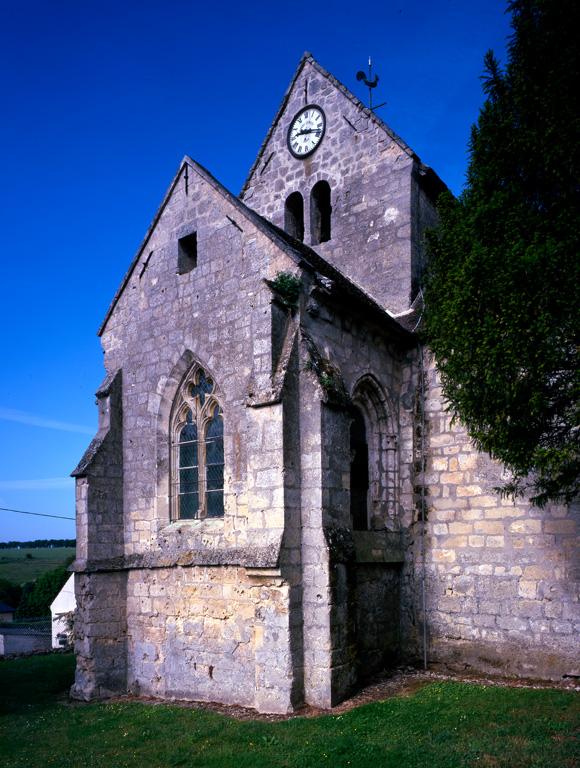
(197, 450)
(188, 486)
(214, 464)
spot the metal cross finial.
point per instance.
(371, 82)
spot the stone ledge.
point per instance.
(247, 557)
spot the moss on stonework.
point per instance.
(328, 375)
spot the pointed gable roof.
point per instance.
(434, 185)
(299, 252)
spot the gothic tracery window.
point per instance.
(197, 450)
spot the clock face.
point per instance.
(306, 131)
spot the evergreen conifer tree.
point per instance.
(503, 287)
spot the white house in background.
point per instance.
(62, 604)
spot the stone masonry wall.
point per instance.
(210, 634)
(377, 605)
(351, 609)
(100, 635)
(218, 315)
(100, 624)
(291, 553)
(370, 179)
(502, 577)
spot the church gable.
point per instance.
(355, 191)
(200, 229)
(194, 308)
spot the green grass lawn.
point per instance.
(443, 725)
(18, 568)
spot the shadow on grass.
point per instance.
(33, 682)
(444, 725)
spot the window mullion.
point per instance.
(201, 460)
(190, 486)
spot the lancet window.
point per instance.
(374, 459)
(320, 213)
(197, 450)
(359, 472)
(294, 215)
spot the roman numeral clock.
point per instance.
(306, 131)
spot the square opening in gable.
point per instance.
(187, 253)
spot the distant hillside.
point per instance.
(38, 544)
(28, 563)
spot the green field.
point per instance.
(22, 565)
(443, 725)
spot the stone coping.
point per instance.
(369, 547)
(246, 557)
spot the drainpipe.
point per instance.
(422, 504)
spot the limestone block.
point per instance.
(443, 555)
(469, 490)
(526, 526)
(492, 528)
(460, 528)
(454, 478)
(528, 589)
(563, 526)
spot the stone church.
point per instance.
(276, 505)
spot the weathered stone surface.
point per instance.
(280, 602)
(523, 558)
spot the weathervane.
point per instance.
(371, 82)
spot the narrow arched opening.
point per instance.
(359, 472)
(380, 435)
(294, 215)
(320, 213)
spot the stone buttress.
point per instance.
(355, 525)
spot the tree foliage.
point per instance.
(38, 595)
(38, 544)
(10, 593)
(503, 287)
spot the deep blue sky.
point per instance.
(99, 103)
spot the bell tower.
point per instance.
(332, 174)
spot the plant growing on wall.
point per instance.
(287, 287)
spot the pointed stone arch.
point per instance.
(380, 426)
(171, 417)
